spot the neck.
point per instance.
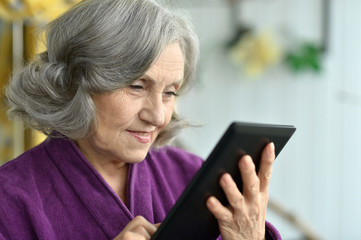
(116, 176)
(115, 173)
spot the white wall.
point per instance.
(317, 176)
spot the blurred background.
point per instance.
(20, 21)
(294, 62)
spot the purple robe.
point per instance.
(53, 192)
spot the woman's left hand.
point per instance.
(246, 215)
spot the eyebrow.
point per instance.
(148, 78)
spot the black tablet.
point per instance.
(190, 218)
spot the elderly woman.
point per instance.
(104, 92)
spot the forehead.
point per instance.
(171, 56)
(169, 64)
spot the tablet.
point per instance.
(190, 218)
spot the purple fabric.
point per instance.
(271, 232)
(53, 192)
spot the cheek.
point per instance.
(169, 112)
(117, 111)
(112, 120)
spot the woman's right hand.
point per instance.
(138, 229)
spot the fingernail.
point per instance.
(247, 159)
(211, 201)
(272, 147)
(227, 178)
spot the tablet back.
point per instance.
(190, 218)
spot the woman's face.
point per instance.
(130, 119)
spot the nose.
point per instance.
(153, 111)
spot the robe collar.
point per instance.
(104, 205)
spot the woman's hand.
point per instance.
(137, 229)
(246, 215)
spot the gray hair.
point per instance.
(95, 48)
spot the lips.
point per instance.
(142, 137)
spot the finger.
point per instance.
(139, 223)
(131, 236)
(137, 229)
(220, 212)
(234, 196)
(249, 178)
(142, 231)
(265, 170)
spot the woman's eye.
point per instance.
(171, 94)
(136, 87)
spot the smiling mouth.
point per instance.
(142, 137)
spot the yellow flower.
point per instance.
(255, 53)
(35, 10)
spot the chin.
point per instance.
(136, 157)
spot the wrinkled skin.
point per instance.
(245, 217)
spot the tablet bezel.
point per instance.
(189, 218)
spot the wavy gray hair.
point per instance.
(95, 48)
